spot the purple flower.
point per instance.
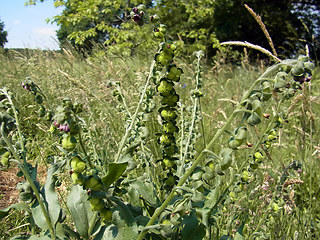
(55, 123)
(136, 18)
(66, 128)
(135, 9)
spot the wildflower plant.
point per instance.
(158, 185)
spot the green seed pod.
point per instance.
(309, 66)
(245, 176)
(170, 127)
(258, 157)
(170, 149)
(266, 89)
(69, 142)
(226, 158)
(210, 165)
(165, 139)
(41, 111)
(209, 174)
(298, 69)
(93, 184)
(303, 58)
(254, 119)
(234, 143)
(5, 158)
(275, 207)
(280, 80)
(169, 163)
(26, 197)
(165, 88)
(77, 178)
(106, 215)
(96, 204)
(77, 164)
(168, 114)
(174, 73)
(170, 100)
(197, 174)
(38, 99)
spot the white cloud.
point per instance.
(45, 31)
(16, 22)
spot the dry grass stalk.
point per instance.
(256, 47)
(263, 28)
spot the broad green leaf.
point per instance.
(64, 232)
(38, 216)
(80, 209)
(193, 230)
(18, 206)
(115, 171)
(124, 226)
(238, 236)
(146, 190)
(50, 195)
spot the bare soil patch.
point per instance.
(8, 182)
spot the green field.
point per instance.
(264, 185)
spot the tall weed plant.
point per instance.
(176, 151)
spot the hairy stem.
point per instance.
(24, 170)
(134, 117)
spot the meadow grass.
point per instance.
(64, 73)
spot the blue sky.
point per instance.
(26, 25)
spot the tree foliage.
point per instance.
(195, 24)
(3, 35)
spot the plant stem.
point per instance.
(134, 117)
(24, 170)
(23, 150)
(208, 148)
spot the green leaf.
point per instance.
(193, 230)
(64, 232)
(146, 190)
(18, 206)
(80, 209)
(226, 237)
(39, 238)
(115, 170)
(51, 196)
(38, 216)
(238, 236)
(124, 226)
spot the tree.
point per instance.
(3, 35)
(195, 24)
(233, 22)
(101, 21)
